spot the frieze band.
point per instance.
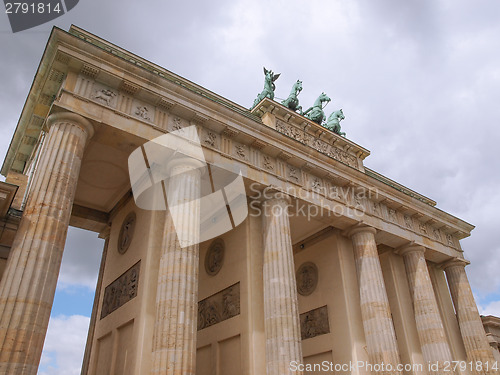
(112, 98)
(319, 145)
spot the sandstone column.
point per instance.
(431, 334)
(469, 321)
(375, 311)
(281, 313)
(174, 345)
(28, 286)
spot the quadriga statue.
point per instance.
(269, 87)
(315, 113)
(333, 122)
(292, 102)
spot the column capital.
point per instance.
(272, 194)
(411, 247)
(73, 118)
(185, 162)
(360, 228)
(454, 262)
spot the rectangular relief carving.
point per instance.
(314, 323)
(219, 307)
(120, 291)
(318, 144)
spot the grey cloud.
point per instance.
(81, 259)
(64, 345)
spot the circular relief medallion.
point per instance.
(215, 257)
(126, 233)
(307, 278)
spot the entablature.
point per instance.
(308, 132)
(119, 90)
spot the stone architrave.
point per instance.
(471, 327)
(29, 283)
(375, 311)
(431, 333)
(281, 312)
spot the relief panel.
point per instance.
(293, 174)
(103, 95)
(210, 139)
(318, 144)
(241, 151)
(268, 163)
(176, 123)
(219, 307)
(120, 291)
(143, 111)
(314, 323)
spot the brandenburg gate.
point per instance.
(257, 243)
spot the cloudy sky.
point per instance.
(419, 83)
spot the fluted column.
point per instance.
(375, 311)
(431, 334)
(29, 283)
(469, 321)
(281, 312)
(174, 344)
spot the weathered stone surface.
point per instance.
(430, 328)
(471, 326)
(174, 344)
(281, 311)
(29, 283)
(314, 323)
(375, 311)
